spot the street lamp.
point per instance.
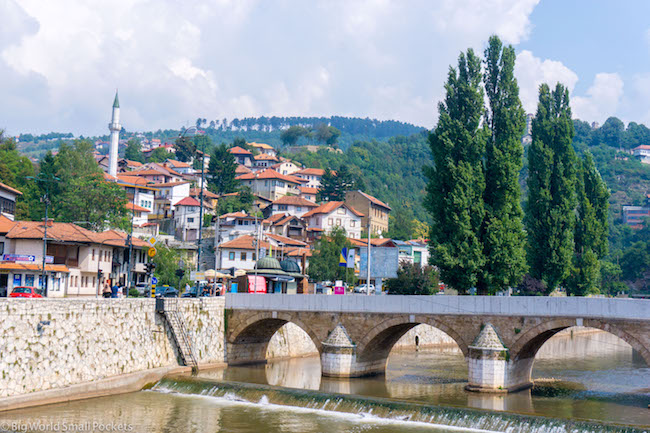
(46, 200)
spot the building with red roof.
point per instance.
(270, 184)
(377, 210)
(335, 214)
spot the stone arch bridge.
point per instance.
(499, 336)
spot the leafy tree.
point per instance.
(185, 148)
(591, 229)
(291, 135)
(413, 279)
(456, 182)
(133, 150)
(158, 155)
(551, 188)
(611, 133)
(324, 263)
(421, 230)
(14, 171)
(242, 201)
(221, 171)
(334, 186)
(326, 134)
(530, 286)
(401, 224)
(503, 235)
(166, 260)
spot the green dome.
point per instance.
(268, 263)
(289, 265)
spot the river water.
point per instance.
(587, 376)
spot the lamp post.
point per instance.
(46, 200)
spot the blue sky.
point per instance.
(61, 61)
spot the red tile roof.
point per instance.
(196, 192)
(169, 184)
(375, 200)
(239, 151)
(136, 208)
(274, 218)
(241, 169)
(261, 145)
(8, 188)
(311, 171)
(177, 164)
(270, 174)
(236, 215)
(329, 207)
(188, 201)
(265, 157)
(243, 243)
(295, 201)
(307, 190)
(285, 240)
(6, 224)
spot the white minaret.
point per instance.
(115, 129)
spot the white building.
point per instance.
(292, 205)
(642, 153)
(335, 214)
(270, 184)
(8, 196)
(240, 253)
(235, 224)
(187, 217)
(167, 194)
(312, 175)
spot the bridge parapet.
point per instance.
(521, 306)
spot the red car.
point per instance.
(26, 292)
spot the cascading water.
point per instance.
(368, 408)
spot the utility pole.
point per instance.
(368, 280)
(217, 243)
(198, 258)
(257, 248)
(46, 199)
(130, 239)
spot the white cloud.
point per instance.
(532, 71)
(602, 100)
(60, 61)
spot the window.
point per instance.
(330, 221)
(340, 211)
(243, 256)
(338, 222)
(93, 255)
(282, 207)
(254, 257)
(190, 220)
(298, 208)
(352, 224)
(2, 247)
(231, 256)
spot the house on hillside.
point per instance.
(642, 153)
(8, 197)
(335, 214)
(286, 225)
(291, 205)
(286, 167)
(240, 253)
(263, 161)
(263, 148)
(242, 156)
(313, 176)
(271, 184)
(178, 166)
(308, 193)
(166, 195)
(379, 210)
(186, 218)
(235, 224)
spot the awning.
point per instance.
(4, 266)
(280, 278)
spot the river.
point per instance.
(587, 376)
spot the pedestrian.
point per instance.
(120, 292)
(106, 290)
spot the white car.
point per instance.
(362, 289)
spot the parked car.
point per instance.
(26, 292)
(363, 289)
(167, 292)
(143, 289)
(192, 293)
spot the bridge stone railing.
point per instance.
(608, 308)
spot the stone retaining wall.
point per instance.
(54, 343)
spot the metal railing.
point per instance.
(174, 317)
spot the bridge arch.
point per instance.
(248, 341)
(527, 346)
(375, 346)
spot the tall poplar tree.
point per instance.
(551, 188)
(502, 235)
(591, 229)
(456, 182)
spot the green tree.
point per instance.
(326, 134)
(133, 150)
(551, 188)
(503, 235)
(291, 135)
(456, 182)
(14, 171)
(334, 186)
(159, 155)
(242, 201)
(221, 171)
(591, 229)
(185, 149)
(166, 261)
(324, 263)
(401, 224)
(413, 279)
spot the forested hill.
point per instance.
(253, 129)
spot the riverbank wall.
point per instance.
(48, 344)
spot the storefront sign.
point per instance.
(18, 258)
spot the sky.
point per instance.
(62, 61)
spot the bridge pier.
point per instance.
(490, 366)
(339, 357)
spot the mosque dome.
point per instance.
(268, 263)
(291, 266)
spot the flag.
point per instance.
(343, 257)
(350, 258)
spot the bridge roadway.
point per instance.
(499, 336)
